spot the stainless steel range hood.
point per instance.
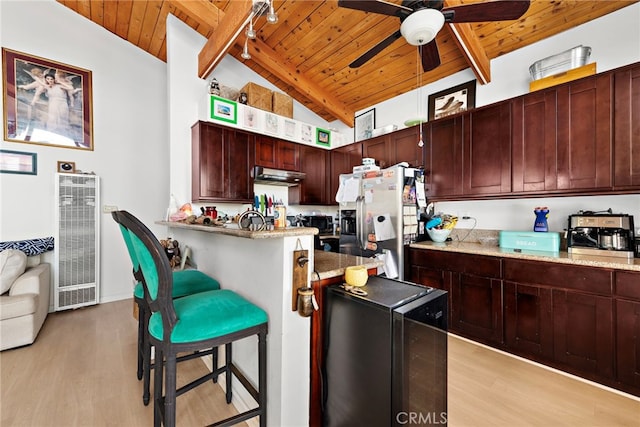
(262, 175)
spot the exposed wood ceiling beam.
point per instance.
(231, 23)
(472, 50)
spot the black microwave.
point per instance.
(324, 223)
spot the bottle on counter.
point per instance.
(280, 215)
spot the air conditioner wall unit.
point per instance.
(77, 243)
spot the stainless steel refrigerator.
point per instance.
(378, 215)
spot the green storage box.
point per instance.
(530, 241)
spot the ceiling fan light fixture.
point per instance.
(422, 26)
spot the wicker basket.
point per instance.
(258, 96)
(282, 104)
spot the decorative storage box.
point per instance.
(282, 104)
(258, 96)
(564, 61)
(530, 241)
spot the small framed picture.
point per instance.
(452, 101)
(224, 110)
(18, 162)
(323, 137)
(66, 167)
(365, 123)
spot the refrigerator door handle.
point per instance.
(360, 234)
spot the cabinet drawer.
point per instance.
(628, 284)
(478, 265)
(588, 279)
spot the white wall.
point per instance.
(131, 150)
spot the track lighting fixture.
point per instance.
(272, 18)
(251, 32)
(245, 51)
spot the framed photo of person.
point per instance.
(46, 102)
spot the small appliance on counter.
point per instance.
(601, 233)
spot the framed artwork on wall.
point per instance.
(453, 100)
(66, 167)
(18, 162)
(46, 102)
(323, 137)
(365, 123)
(224, 110)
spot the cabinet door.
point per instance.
(583, 332)
(487, 150)
(626, 155)
(527, 311)
(443, 173)
(207, 157)
(584, 134)
(343, 160)
(237, 164)
(534, 163)
(628, 341)
(378, 149)
(404, 147)
(476, 306)
(289, 156)
(314, 163)
(274, 153)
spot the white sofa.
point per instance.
(24, 306)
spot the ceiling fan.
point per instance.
(422, 19)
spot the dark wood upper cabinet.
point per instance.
(626, 143)
(404, 147)
(584, 133)
(278, 154)
(378, 148)
(343, 159)
(487, 150)
(534, 166)
(314, 190)
(221, 162)
(443, 163)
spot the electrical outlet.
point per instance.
(109, 208)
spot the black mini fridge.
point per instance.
(385, 355)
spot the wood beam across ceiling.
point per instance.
(472, 50)
(231, 23)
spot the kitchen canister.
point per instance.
(280, 216)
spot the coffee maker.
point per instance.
(607, 234)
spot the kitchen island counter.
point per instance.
(331, 264)
(234, 230)
(560, 257)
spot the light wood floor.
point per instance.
(81, 372)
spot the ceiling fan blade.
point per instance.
(375, 50)
(430, 55)
(497, 10)
(376, 6)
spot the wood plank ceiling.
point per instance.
(308, 52)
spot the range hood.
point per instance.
(262, 175)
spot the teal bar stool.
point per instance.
(194, 323)
(185, 282)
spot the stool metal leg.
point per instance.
(262, 378)
(158, 400)
(170, 387)
(140, 341)
(146, 355)
(228, 360)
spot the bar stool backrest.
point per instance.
(156, 273)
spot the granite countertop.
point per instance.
(332, 264)
(562, 257)
(233, 230)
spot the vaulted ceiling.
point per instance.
(307, 53)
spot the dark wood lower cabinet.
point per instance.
(527, 319)
(583, 332)
(476, 307)
(580, 319)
